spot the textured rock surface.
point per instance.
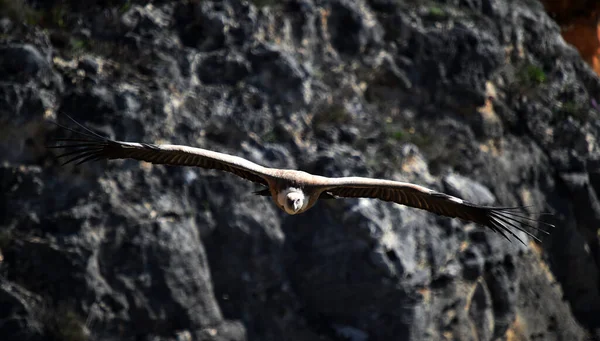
(481, 99)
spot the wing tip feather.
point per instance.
(504, 219)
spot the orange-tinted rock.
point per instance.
(580, 26)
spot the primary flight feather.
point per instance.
(296, 191)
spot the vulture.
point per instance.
(296, 191)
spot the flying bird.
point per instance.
(296, 191)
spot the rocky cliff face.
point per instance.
(481, 99)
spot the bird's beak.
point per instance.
(297, 205)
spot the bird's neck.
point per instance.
(282, 196)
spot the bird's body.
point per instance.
(296, 191)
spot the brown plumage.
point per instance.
(296, 191)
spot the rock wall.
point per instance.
(480, 99)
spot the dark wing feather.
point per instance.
(498, 219)
(95, 147)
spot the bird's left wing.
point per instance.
(90, 146)
(499, 219)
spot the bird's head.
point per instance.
(293, 201)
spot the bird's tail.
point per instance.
(263, 192)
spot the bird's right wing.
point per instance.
(92, 147)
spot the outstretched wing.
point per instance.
(499, 219)
(92, 147)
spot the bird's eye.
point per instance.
(290, 202)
